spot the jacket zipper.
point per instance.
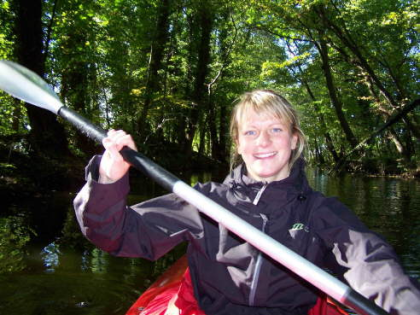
(259, 194)
(257, 269)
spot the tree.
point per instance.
(77, 66)
(351, 46)
(47, 136)
(198, 97)
(157, 48)
(169, 71)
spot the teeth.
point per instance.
(264, 155)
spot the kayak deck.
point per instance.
(172, 293)
(167, 285)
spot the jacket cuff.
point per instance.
(105, 195)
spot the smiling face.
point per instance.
(265, 143)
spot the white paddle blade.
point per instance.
(27, 86)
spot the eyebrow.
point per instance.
(283, 124)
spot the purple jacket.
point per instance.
(229, 275)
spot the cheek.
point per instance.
(242, 146)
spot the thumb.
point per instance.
(112, 150)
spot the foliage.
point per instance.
(14, 235)
(147, 67)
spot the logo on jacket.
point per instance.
(299, 226)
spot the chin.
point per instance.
(266, 177)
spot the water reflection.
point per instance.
(98, 261)
(389, 206)
(62, 273)
(50, 255)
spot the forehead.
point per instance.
(249, 116)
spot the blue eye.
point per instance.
(276, 130)
(250, 133)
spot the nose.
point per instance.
(264, 139)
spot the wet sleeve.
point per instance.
(148, 230)
(371, 267)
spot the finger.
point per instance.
(125, 140)
(122, 139)
(112, 149)
(108, 142)
(112, 136)
(118, 139)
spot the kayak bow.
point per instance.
(172, 293)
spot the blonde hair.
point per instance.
(268, 102)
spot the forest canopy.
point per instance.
(169, 72)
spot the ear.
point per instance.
(238, 146)
(295, 138)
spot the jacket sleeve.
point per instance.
(147, 230)
(371, 267)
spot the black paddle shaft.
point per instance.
(362, 305)
(94, 132)
(164, 178)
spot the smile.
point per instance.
(264, 155)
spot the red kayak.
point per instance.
(172, 294)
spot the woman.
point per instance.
(270, 191)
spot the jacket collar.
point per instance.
(294, 186)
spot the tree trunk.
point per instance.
(219, 149)
(386, 115)
(318, 154)
(199, 92)
(75, 83)
(156, 57)
(17, 115)
(338, 106)
(212, 124)
(202, 132)
(328, 139)
(47, 136)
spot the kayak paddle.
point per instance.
(24, 84)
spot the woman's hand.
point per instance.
(113, 167)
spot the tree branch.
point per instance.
(392, 120)
(49, 31)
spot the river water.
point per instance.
(47, 268)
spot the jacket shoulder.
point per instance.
(329, 211)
